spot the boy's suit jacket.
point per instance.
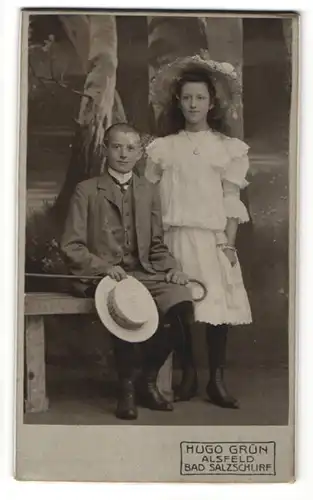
(90, 242)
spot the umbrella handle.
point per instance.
(204, 289)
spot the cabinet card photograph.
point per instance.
(157, 246)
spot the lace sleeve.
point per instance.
(238, 166)
(234, 208)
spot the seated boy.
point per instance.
(114, 227)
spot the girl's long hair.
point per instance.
(172, 120)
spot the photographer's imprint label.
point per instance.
(230, 458)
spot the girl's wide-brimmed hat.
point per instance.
(126, 309)
(222, 74)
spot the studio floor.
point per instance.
(263, 395)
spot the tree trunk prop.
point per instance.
(225, 43)
(102, 106)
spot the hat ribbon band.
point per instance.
(122, 322)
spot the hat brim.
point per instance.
(133, 336)
(226, 82)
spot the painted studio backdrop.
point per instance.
(86, 72)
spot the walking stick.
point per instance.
(99, 278)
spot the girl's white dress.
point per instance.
(198, 193)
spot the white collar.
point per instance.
(120, 176)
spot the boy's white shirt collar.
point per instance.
(120, 177)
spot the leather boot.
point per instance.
(149, 394)
(188, 387)
(216, 337)
(126, 405)
(125, 358)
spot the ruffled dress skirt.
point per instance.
(226, 301)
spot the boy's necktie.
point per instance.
(122, 185)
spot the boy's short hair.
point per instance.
(124, 127)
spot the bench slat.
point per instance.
(57, 303)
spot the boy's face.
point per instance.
(124, 150)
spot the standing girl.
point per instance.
(201, 171)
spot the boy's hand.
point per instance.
(117, 273)
(177, 277)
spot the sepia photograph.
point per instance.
(156, 231)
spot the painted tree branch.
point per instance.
(44, 80)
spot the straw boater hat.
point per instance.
(126, 309)
(222, 74)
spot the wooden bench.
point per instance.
(37, 307)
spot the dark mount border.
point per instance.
(276, 13)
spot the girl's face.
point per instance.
(195, 102)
